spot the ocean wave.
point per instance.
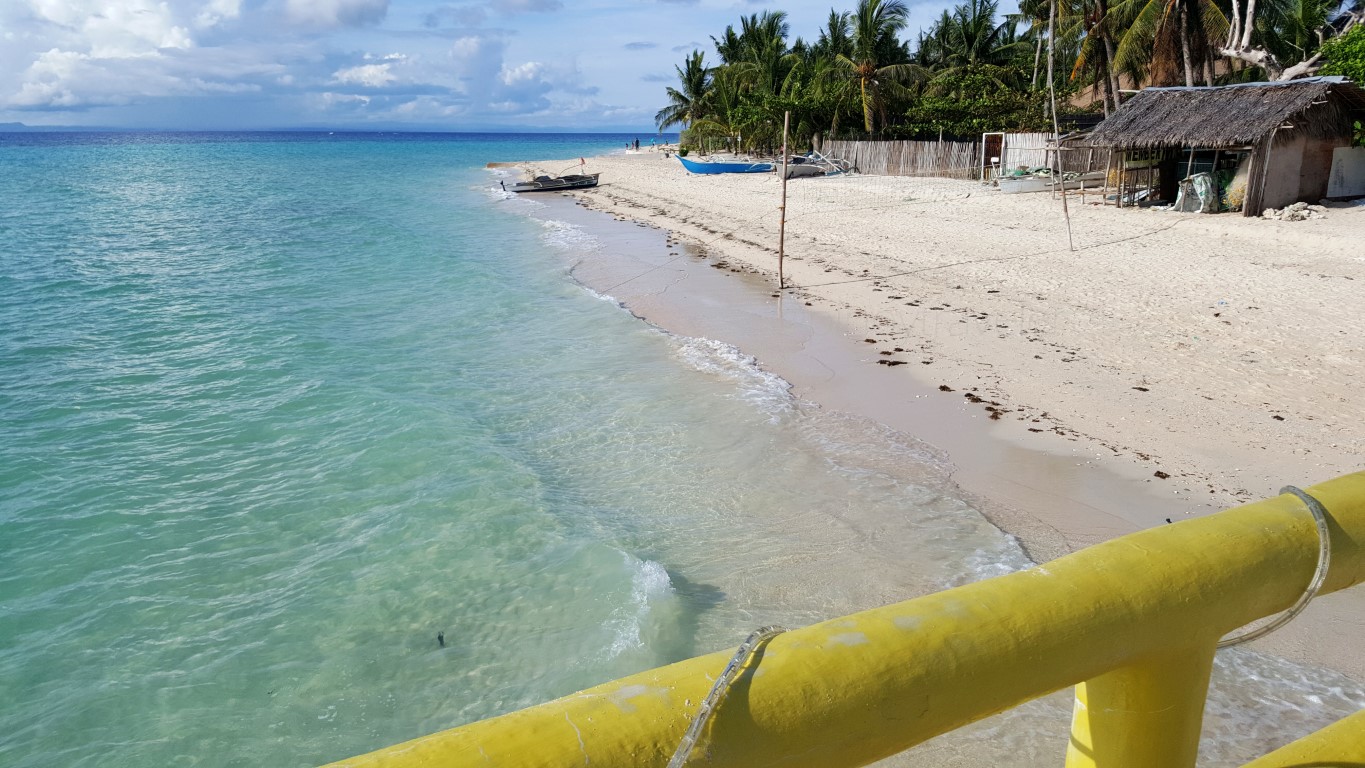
(561, 234)
(650, 587)
(1005, 558)
(768, 391)
(607, 297)
(498, 189)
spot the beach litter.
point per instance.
(1295, 212)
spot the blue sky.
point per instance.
(586, 65)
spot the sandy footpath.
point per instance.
(1213, 359)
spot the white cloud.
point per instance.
(336, 13)
(77, 80)
(44, 84)
(474, 14)
(209, 86)
(522, 74)
(112, 28)
(216, 12)
(58, 80)
(329, 98)
(368, 75)
(290, 62)
(427, 108)
(476, 62)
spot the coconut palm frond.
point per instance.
(1135, 47)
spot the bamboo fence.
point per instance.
(941, 159)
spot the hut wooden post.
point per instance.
(1108, 169)
(1123, 175)
(1151, 172)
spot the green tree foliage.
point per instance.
(970, 100)
(687, 103)
(1167, 42)
(972, 70)
(1345, 55)
(879, 65)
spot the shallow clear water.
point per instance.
(278, 409)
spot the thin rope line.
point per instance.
(991, 259)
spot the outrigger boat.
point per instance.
(557, 183)
(694, 166)
(815, 164)
(1044, 182)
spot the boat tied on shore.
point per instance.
(556, 183)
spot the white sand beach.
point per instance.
(1170, 365)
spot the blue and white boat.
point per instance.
(694, 166)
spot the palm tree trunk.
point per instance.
(1037, 54)
(1208, 69)
(1185, 44)
(1102, 6)
(1106, 90)
(867, 107)
(1051, 54)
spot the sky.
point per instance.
(453, 65)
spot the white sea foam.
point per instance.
(561, 234)
(768, 391)
(650, 587)
(604, 297)
(983, 563)
(498, 189)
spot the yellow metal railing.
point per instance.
(1133, 623)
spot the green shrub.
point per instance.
(1345, 55)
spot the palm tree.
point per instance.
(879, 63)
(1094, 63)
(1289, 29)
(931, 50)
(763, 61)
(1035, 12)
(974, 38)
(721, 119)
(728, 47)
(688, 104)
(835, 39)
(1162, 39)
(966, 46)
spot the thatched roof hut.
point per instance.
(1287, 131)
(1230, 115)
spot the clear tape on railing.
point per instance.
(746, 650)
(1319, 575)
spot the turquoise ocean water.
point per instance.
(276, 410)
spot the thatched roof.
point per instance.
(1228, 115)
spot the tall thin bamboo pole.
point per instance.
(1056, 126)
(782, 221)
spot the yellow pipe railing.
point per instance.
(1339, 745)
(1132, 622)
